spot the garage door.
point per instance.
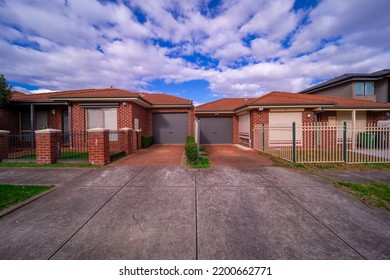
(170, 128)
(280, 128)
(216, 131)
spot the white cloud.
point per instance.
(243, 44)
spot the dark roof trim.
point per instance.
(349, 77)
(40, 102)
(99, 105)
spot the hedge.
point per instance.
(191, 150)
(146, 141)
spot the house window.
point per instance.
(365, 88)
(103, 118)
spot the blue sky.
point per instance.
(199, 49)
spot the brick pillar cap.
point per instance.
(126, 129)
(48, 130)
(4, 132)
(98, 129)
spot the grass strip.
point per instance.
(13, 194)
(376, 193)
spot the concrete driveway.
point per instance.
(233, 155)
(171, 213)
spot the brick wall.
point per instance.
(78, 117)
(140, 113)
(125, 115)
(378, 116)
(9, 119)
(257, 117)
(324, 116)
(307, 116)
(55, 121)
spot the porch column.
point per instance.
(4, 140)
(32, 124)
(353, 127)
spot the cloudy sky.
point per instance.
(197, 49)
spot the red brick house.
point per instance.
(232, 120)
(168, 118)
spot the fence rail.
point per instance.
(325, 142)
(73, 145)
(20, 147)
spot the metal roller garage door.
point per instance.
(170, 128)
(216, 130)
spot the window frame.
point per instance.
(365, 83)
(113, 136)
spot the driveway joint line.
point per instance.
(92, 216)
(317, 219)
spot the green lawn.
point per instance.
(377, 193)
(13, 194)
(64, 155)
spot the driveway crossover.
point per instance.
(173, 213)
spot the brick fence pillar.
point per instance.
(46, 145)
(99, 146)
(4, 140)
(126, 140)
(137, 145)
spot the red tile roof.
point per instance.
(164, 99)
(225, 104)
(91, 93)
(288, 99)
(156, 99)
(19, 96)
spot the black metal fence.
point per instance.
(73, 145)
(70, 145)
(21, 147)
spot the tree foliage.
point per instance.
(5, 91)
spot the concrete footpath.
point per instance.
(173, 213)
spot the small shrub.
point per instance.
(202, 149)
(203, 163)
(191, 151)
(190, 138)
(146, 141)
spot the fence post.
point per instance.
(345, 142)
(4, 140)
(262, 137)
(125, 140)
(46, 145)
(294, 142)
(99, 146)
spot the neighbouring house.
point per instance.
(232, 120)
(168, 118)
(374, 86)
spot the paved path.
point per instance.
(219, 213)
